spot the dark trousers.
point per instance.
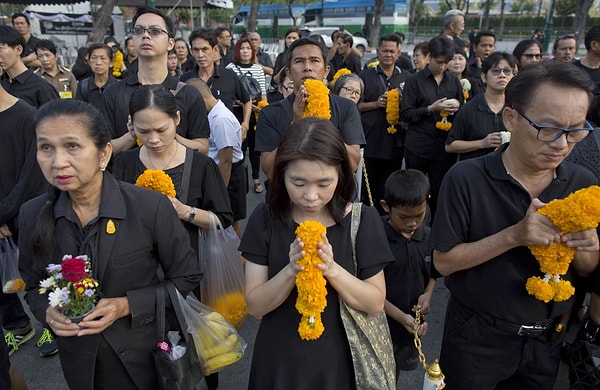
(435, 171)
(477, 355)
(12, 313)
(4, 364)
(378, 170)
(252, 155)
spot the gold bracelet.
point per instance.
(244, 126)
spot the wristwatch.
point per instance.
(192, 214)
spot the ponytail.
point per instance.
(44, 245)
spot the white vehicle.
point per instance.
(358, 42)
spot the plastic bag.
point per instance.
(9, 267)
(217, 342)
(222, 287)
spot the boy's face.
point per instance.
(406, 219)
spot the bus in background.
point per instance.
(357, 16)
(272, 20)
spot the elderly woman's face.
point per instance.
(351, 90)
(67, 155)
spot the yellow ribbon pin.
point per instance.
(110, 227)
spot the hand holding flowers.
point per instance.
(70, 285)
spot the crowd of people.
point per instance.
(451, 154)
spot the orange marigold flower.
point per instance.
(156, 180)
(443, 124)
(392, 110)
(341, 72)
(261, 104)
(577, 212)
(311, 285)
(318, 100)
(233, 307)
(117, 64)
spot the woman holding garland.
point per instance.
(312, 180)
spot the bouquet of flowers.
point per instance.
(71, 286)
(156, 180)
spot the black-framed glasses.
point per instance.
(506, 71)
(552, 133)
(532, 56)
(351, 91)
(153, 30)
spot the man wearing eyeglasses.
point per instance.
(477, 128)
(564, 48)
(153, 38)
(496, 335)
(384, 151)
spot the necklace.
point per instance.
(170, 161)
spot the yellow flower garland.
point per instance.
(577, 212)
(338, 74)
(156, 180)
(311, 284)
(392, 110)
(443, 124)
(261, 104)
(117, 64)
(318, 100)
(233, 307)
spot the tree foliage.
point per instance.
(565, 7)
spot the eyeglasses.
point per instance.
(552, 133)
(154, 31)
(531, 56)
(351, 91)
(506, 71)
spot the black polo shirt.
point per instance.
(380, 144)
(30, 46)
(30, 87)
(193, 123)
(89, 92)
(477, 199)
(351, 62)
(409, 274)
(224, 85)
(275, 118)
(421, 90)
(474, 121)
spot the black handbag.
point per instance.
(184, 373)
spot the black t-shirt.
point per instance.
(30, 87)
(89, 92)
(193, 123)
(423, 139)
(380, 144)
(478, 199)
(474, 121)
(275, 118)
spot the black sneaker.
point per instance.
(47, 343)
(16, 337)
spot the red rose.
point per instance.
(73, 270)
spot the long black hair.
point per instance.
(44, 243)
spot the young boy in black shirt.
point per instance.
(408, 280)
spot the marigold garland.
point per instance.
(233, 307)
(318, 100)
(392, 110)
(338, 74)
(577, 212)
(156, 180)
(311, 284)
(443, 124)
(261, 104)
(117, 64)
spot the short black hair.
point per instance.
(521, 89)
(208, 34)
(47, 45)
(593, 34)
(20, 15)
(96, 46)
(147, 10)
(441, 46)
(495, 58)
(393, 37)
(307, 41)
(481, 34)
(11, 37)
(406, 188)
